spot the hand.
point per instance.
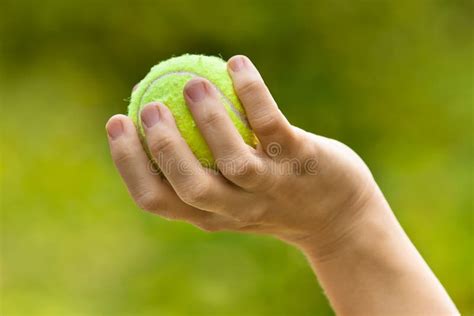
(294, 185)
(305, 189)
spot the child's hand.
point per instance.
(308, 190)
(295, 185)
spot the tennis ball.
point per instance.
(165, 83)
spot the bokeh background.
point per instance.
(392, 79)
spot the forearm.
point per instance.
(364, 260)
(378, 271)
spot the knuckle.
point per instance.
(162, 144)
(253, 177)
(123, 157)
(266, 124)
(212, 118)
(308, 147)
(148, 201)
(243, 168)
(195, 194)
(232, 165)
(250, 87)
(309, 151)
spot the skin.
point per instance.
(309, 191)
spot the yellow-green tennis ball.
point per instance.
(165, 83)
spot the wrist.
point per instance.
(353, 229)
(374, 266)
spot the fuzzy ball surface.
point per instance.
(165, 83)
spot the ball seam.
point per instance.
(230, 104)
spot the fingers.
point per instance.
(235, 159)
(131, 161)
(263, 114)
(194, 184)
(150, 191)
(212, 119)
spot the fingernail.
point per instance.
(115, 128)
(196, 91)
(237, 64)
(150, 115)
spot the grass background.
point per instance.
(392, 79)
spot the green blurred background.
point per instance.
(392, 79)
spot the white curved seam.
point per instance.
(231, 105)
